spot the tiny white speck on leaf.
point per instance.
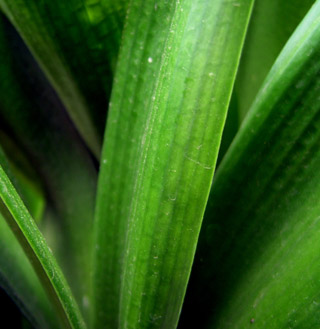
(85, 301)
(150, 60)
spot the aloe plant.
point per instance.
(115, 116)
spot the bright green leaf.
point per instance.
(171, 92)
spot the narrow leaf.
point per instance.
(171, 91)
(21, 283)
(33, 116)
(17, 276)
(259, 247)
(39, 254)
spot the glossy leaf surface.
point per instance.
(171, 92)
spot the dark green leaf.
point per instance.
(259, 247)
(24, 178)
(270, 27)
(76, 43)
(33, 116)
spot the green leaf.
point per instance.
(171, 92)
(272, 23)
(259, 247)
(76, 43)
(40, 255)
(270, 27)
(20, 281)
(24, 178)
(18, 277)
(230, 129)
(33, 116)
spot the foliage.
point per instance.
(99, 228)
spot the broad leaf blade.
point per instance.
(169, 102)
(259, 246)
(39, 254)
(76, 43)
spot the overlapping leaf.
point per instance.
(259, 247)
(272, 24)
(32, 114)
(18, 277)
(171, 91)
(39, 254)
(76, 43)
(24, 177)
